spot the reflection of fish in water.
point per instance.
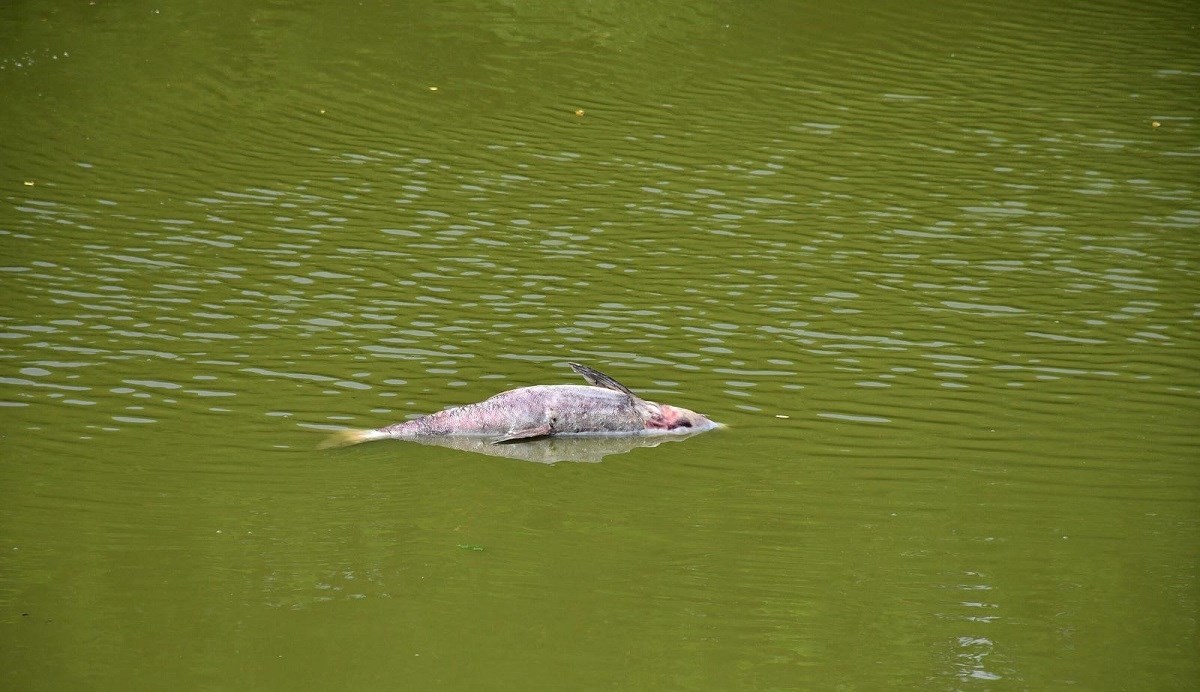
(602, 407)
(549, 450)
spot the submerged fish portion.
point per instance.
(603, 407)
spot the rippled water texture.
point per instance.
(936, 267)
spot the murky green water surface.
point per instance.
(935, 266)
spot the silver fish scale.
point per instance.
(568, 408)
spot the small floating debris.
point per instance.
(780, 415)
(579, 112)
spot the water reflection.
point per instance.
(550, 450)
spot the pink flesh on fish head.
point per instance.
(678, 419)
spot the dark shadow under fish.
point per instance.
(603, 407)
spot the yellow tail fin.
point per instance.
(345, 438)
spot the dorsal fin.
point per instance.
(599, 379)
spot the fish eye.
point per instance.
(684, 424)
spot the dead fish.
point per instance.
(602, 407)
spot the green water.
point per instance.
(936, 267)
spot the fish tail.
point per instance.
(345, 438)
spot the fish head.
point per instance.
(675, 419)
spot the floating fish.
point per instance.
(602, 407)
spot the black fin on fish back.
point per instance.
(599, 379)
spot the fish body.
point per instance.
(602, 407)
